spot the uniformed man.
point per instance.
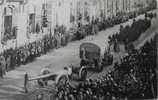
(8, 62)
(2, 66)
(84, 61)
(1, 70)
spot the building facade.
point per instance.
(25, 21)
(10, 15)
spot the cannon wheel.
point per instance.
(43, 82)
(83, 73)
(40, 94)
(62, 81)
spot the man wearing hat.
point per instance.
(2, 66)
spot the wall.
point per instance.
(15, 6)
(59, 14)
(1, 12)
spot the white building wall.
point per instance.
(1, 25)
(106, 9)
(15, 5)
(33, 6)
(59, 15)
(157, 5)
(1, 14)
(22, 22)
(109, 8)
(114, 7)
(68, 14)
(63, 12)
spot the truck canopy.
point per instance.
(92, 51)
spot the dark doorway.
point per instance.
(8, 27)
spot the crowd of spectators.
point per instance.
(128, 34)
(135, 77)
(99, 25)
(13, 57)
(132, 79)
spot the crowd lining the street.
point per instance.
(129, 34)
(11, 58)
(14, 57)
(133, 78)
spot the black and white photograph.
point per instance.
(78, 49)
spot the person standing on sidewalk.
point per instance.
(2, 66)
(1, 72)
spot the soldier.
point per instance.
(52, 40)
(39, 50)
(1, 70)
(8, 62)
(57, 40)
(26, 82)
(2, 66)
(63, 39)
(84, 61)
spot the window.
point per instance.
(10, 31)
(8, 25)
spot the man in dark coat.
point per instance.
(2, 66)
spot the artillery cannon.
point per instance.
(48, 81)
